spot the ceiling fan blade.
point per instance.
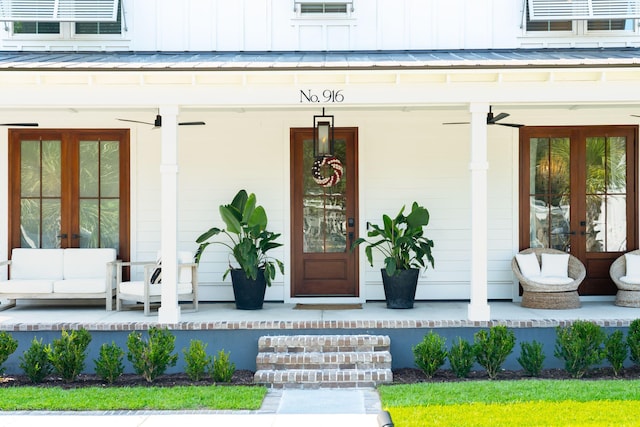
(192, 123)
(513, 125)
(497, 117)
(20, 124)
(634, 115)
(457, 123)
(136, 121)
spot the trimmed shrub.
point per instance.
(68, 353)
(35, 361)
(531, 357)
(223, 369)
(109, 365)
(197, 361)
(8, 345)
(580, 346)
(633, 341)
(152, 357)
(616, 351)
(430, 354)
(491, 348)
(461, 358)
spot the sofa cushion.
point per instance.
(80, 286)
(137, 288)
(555, 265)
(551, 280)
(528, 264)
(29, 263)
(83, 263)
(26, 286)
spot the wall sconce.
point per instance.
(322, 135)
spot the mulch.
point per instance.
(245, 378)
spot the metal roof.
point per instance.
(337, 60)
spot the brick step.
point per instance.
(321, 360)
(323, 378)
(323, 343)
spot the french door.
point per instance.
(324, 218)
(69, 188)
(578, 193)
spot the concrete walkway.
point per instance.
(281, 408)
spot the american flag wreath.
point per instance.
(336, 167)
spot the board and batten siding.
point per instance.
(403, 156)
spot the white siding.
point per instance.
(272, 25)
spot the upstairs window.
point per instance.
(583, 9)
(560, 16)
(53, 22)
(327, 8)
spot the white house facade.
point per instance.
(416, 90)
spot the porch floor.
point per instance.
(284, 316)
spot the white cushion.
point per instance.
(184, 272)
(80, 286)
(137, 288)
(36, 264)
(551, 280)
(528, 264)
(633, 264)
(83, 263)
(631, 280)
(555, 265)
(23, 286)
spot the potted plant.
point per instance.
(402, 243)
(246, 227)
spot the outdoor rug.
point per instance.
(328, 307)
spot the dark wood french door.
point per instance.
(69, 188)
(578, 193)
(324, 218)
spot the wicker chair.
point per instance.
(628, 294)
(551, 296)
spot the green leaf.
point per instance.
(230, 218)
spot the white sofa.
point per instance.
(70, 274)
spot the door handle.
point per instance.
(62, 236)
(75, 236)
(350, 238)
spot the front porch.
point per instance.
(222, 326)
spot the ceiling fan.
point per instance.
(492, 120)
(20, 124)
(158, 122)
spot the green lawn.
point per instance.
(132, 398)
(515, 403)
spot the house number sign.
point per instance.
(327, 96)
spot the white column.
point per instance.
(169, 311)
(479, 308)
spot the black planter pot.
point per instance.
(248, 293)
(400, 289)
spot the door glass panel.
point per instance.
(99, 191)
(549, 174)
(606, 166)
(40, 193)
(324, 211)
(109, 168)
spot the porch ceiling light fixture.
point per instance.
(322, 135)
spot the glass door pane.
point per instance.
(606, 194)
(40, 193)
(549, 193)
(324, 211)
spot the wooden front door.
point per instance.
(324, 219)
(578, 194)
(69, 188)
